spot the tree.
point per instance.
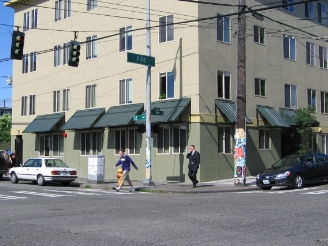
(304, 119)
(5, 127)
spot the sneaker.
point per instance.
(132, 189)
(117, 189)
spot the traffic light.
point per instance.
(74, 54)
(17, 45)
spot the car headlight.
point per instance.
(283, 175)
(258, 176)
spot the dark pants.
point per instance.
(192, 175)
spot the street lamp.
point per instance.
(9, 80)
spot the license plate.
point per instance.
(64, 173)
(266, 182)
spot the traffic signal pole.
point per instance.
(240, 136)
(148, 180)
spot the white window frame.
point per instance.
(66, 99)
(91, 96)
(42, 144)
(125, 35)
(96, 142)
(290, 51)
(67, 8)
(87, 143)
(26, 21)
(24, 106)
(56, 101)
(163, 94)
(164, 141)
(25, 64)
(34, 19)
(33, 61)
(179, 145)
(259, 35)
(323, 54)
(322, 13)
(125, 91)
(66, 47)
(122, 144)
(323, 100)
(166, 29)
(291, 89)
(221, 23)
(58, 148)
(221, 85)
(309, 10)
(137, 139)
(32, 105)
(266, 134)
(57, 55)
(92, 4)
(225, 140)
(310, 94)
(310, 54)
(260, 85)
(91, 47)
(58, 10)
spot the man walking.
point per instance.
(126, 162)
(193, 165)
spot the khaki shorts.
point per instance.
(126, 175)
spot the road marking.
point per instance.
(275, 191)
(39, 194)
(318, 192)
(74, 192)
(5, 197)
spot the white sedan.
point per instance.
(43, 170)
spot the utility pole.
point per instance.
(240, 136)
(149, 142)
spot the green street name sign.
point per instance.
(141, 59)
(139, 117)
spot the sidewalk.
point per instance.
(226, 185)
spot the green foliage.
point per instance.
(5, 127)
(162, 95)
(304, 118)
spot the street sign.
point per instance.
(139, 117)
(141, 59)
(156, 111)
(149, 143)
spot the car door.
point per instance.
(311, 169)
(24, 171)
(323, 166)
(35, 169)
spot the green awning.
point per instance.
(44, 123)
(289, 114)
(229, 109)
(172, 108)
(83, 119)
(119, 115)
(271, 115)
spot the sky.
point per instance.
(6, 17)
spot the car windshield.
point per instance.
(54, 163)
(289, 161)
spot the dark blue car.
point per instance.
(295, 171)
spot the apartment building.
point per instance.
(74, 112)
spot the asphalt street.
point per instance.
(57, 215)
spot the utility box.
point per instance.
(96, 169)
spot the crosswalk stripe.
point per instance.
(5, 197)
(39, 194)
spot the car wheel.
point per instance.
(298, 181)
(13, 178)
(67, 183)
(40, 180)
(266, 188)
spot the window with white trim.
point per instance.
(323, 57)
(32, 105)
(324, 102)
(260, 87)
(166, 85)
(119, 140)
(97, 143)
(66, 47)
(125, 38)
(290, 47)
(57, 51)
(66, 98)
(58, 10)
(24, 106)
(180, 139)
(135, 139)
(25, 63)
(67, 8)
(85, 143)
(312, 98)
(166, 29)
(309, 10)
(91, 46)
(223, 29)
(313, 142)
(56, 101)
(57, 145)
(291, 96)
(125, 91)
(92, 4)
(44, 145)
(224, 139)
(322, 13)
(290, 8)
(163, 140)
(264, 139)
(26, 21)
(310, 53)
(33, 61)
(223, 79)
(34, 19)
(90, 96)
(258, 35)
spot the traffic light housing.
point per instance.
(74, 54)
(17, 45)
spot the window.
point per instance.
(33, 61)
(25, 63)
(66, 47)
(32, 105)
(91, 146)
(119, 140)
(58, 145)
(163, 140)
(323, 57)
(310, 53)
(96, 143)
(90, 96)
(324, 102)
(58, 9)
(56, 101)
(67, 8)
(258, 35)
(91, 47)
(309, 10)
(312, 98)
(264, 139)
(166, 85)
(166, 29)
(26, 24)
(290, 8)
(290, 96)
(57, 55)
(135, 139)
(313, 142)
(179, 139)
(125, 91)
(260, 87)
(290, 47)
(92, 4)
(223, 29)
(224, 140)
(223, 84)
(34, 19)
(66, 97)
(24, 106)
(44, 145)
(322, 14)
(125, 38)
(85, 143)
